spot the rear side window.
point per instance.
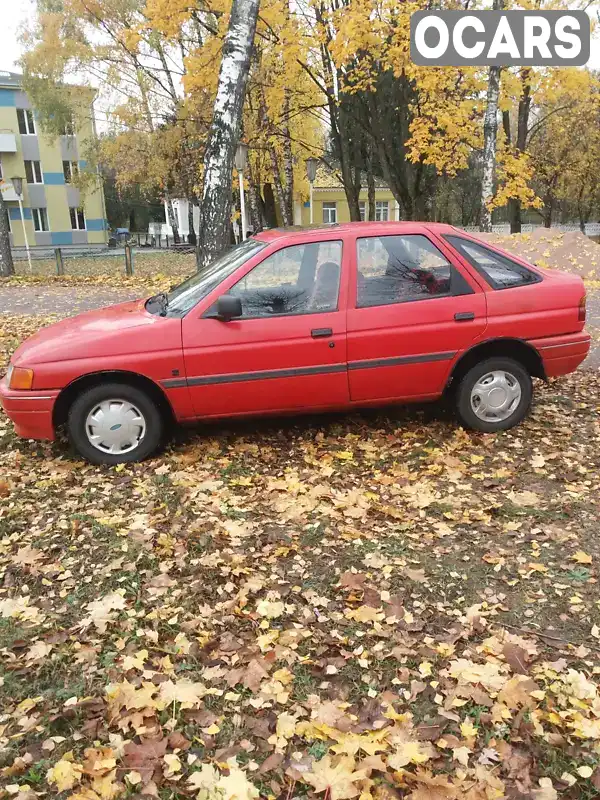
(400, 269)
(499, 271)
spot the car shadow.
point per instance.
(333, 423)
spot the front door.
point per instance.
(287, 350)
(410, 313)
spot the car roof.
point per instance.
(360, 228)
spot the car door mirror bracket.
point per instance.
(227, 308)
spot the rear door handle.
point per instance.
(321, 333)
(464, 316)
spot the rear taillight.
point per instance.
(582, 309)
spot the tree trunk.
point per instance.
(269, 206)
(514, 204)
(171, 218)
(490, 134)
(278, 189)
(255, 213)
(192, 233)
(224, 131)
(7, 268)
(370, 184)
(288, 161)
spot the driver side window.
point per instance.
(302, 279)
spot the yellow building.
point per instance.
(56, 212)
(330, 205)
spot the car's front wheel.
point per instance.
(494, 395)
(114, 423)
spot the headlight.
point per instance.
(19, 378)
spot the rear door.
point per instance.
(412, 310)
(288, 350)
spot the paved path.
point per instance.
(67, 300)
(64, 300)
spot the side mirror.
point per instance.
(228, 307)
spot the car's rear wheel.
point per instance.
(114, 423)
(494, 395)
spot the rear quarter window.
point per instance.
(499, 271)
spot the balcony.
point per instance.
(8, 193)
(8, 142)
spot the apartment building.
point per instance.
(56, 212)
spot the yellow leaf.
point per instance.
(581, 558)
(467, 729)
(461, 754)
(64, 775)
(270, 609)
(365, 614)
(337, 777)
(409, 753)
(136, 661)
(173, 764)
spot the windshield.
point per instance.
(185, 296)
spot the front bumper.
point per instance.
(30, 412)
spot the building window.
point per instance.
(362, 208)
(68, 129)
(70, 170)
(33, 172)
(77, 219)
(40, 219)
(26, 121)
(382, 210)
(329, 213)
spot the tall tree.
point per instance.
(213, 233)
(6, 260)
(490, 135)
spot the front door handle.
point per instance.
(464, 316)
(321, 333)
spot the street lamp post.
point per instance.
(311, 174)
(241, 159)
(17, 183)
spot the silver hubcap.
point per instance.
(115, 426)
(495, 396)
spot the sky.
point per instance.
(15, 12)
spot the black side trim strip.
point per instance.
(296, 372)
(238, 377)
(393, 362)
(174, 383)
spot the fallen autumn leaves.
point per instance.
(375, 606)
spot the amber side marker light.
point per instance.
(582, 309)
(21, 378)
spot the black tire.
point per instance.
(463, 407)
(84, 405)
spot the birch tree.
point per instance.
(6, 261)
(213, 234)
(490, 136)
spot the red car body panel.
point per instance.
(398, 352)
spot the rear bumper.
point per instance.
(30, 412)
(562, 354)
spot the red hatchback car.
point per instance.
(305, 320)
